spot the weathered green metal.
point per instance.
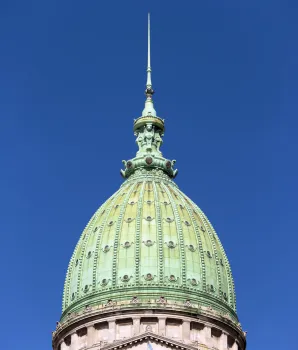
(149, 242)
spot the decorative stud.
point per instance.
(171, 244)
(191, 248)
(86, 288)
(209, 254)
(187, 223)
(126, 244)
(110, 223)
(104, 282)
(221, 262)
(202, 228)
(172, 278)
(166, 203)
(89, 255)
(149, 202)
(149, 277)
(149, 218)
(193, 281)
(210, 288)
(148, 243)
(129, 220)
(106, 248)
(125, 278)
(96, 228)
(77, 262)
(169, 220)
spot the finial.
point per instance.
(149, 109)
(149, 83)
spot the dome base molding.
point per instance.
(164, 329)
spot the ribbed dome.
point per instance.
(149, 244)
(147, 241)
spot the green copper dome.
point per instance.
(149, 240)
(149, 245)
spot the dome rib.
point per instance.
(197, 231)
(99, 239)
(231, 288)
(180, 234)
(117, 232)
(159, 233)
(138, 233)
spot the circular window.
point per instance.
(149, 160)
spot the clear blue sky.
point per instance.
(72, 77)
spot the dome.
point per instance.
(149, 265)
(147, 242)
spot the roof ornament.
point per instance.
(149, 108)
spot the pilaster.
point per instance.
(186, 331)
(91, 335)
(112, 330)
(162, 326)
(136, 326)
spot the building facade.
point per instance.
(149, 271)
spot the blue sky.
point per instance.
(72, 77)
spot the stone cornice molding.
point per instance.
(147, 336)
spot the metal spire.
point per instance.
(149, 109)
(149, 83)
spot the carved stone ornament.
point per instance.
(149, 218)
(162, 300)
(187, 303)
(148, 328)
(110, 303)
(135, 300)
